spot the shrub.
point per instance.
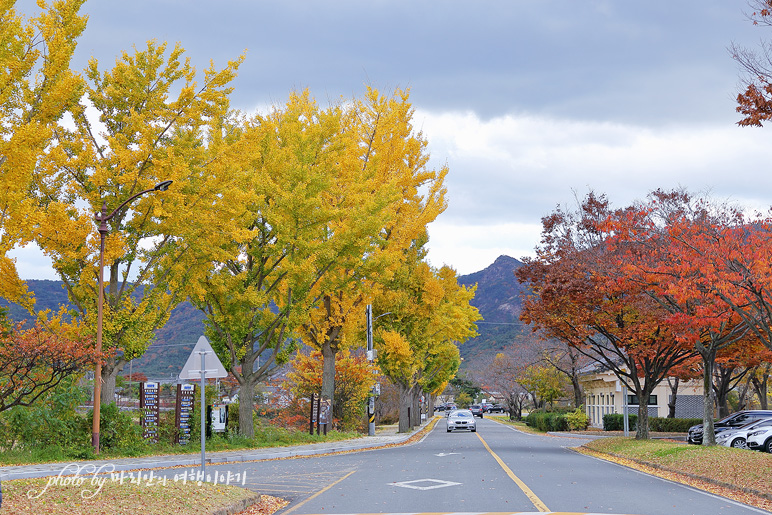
(117, 429)
(577, 420)
(616, 422)
(547, 421)
(51, 421)
(672, 425)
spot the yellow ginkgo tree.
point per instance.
(429, 315)
(300, 208)
(149, 119)
(36, 88)
(385, 161)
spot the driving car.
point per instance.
(737, 437)
(461, 419)
(733, 421)
(449, 407)
(476, 410)
(760, 439)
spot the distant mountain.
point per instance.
(164, 358)
(498, 300)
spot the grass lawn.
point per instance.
(37, 496)
(265, 436)
(742, 468)
(742, 475)
(89, 496)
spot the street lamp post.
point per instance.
(102, 217)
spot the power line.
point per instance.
(501, 323)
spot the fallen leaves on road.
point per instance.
(267, 505)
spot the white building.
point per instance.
(603, 394)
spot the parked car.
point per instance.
(737, 437)
(477, 410)
(733, 421)
(461, 419)
(497, 408)
(760, 439)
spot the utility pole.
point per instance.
(370, 358)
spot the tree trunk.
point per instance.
(642, 424)
(328, 374)
(405, 403)
(760, 387)
(671, 404)
(643, 394)
(246, 422)
(578, 393)
(721, 389)
(416, 408)
(110, 370)
(742, 397)
(708, 361)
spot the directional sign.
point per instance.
(192, 368)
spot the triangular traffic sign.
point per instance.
(213, 366)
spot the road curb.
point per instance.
(238, 506)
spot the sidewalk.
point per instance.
(384, 435)
(594, 435)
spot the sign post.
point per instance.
(148, 407)
(183, 411)
(202, 364)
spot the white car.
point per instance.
(760, 439)
(737, 437)
(461, 419)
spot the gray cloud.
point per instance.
(526, 101)
(629, 61)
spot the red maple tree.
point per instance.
(35, 360)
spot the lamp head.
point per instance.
(162, 186)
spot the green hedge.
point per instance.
(615, 422)
(547, 421)
(672, 425)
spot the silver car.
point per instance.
(736, 437)
(760, 439)
(461, 419)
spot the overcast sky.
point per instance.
(529, 102)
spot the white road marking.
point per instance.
(437, 484)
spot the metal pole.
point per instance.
(100, 302)
(624, 409)
(203, 410)
(371, 401)
(103, 218)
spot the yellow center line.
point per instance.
(320, 492)
(527, 491)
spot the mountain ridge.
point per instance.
(497, 298)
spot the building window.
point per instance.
(633, 400)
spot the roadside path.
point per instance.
(385, 435)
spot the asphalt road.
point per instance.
(497, 469)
